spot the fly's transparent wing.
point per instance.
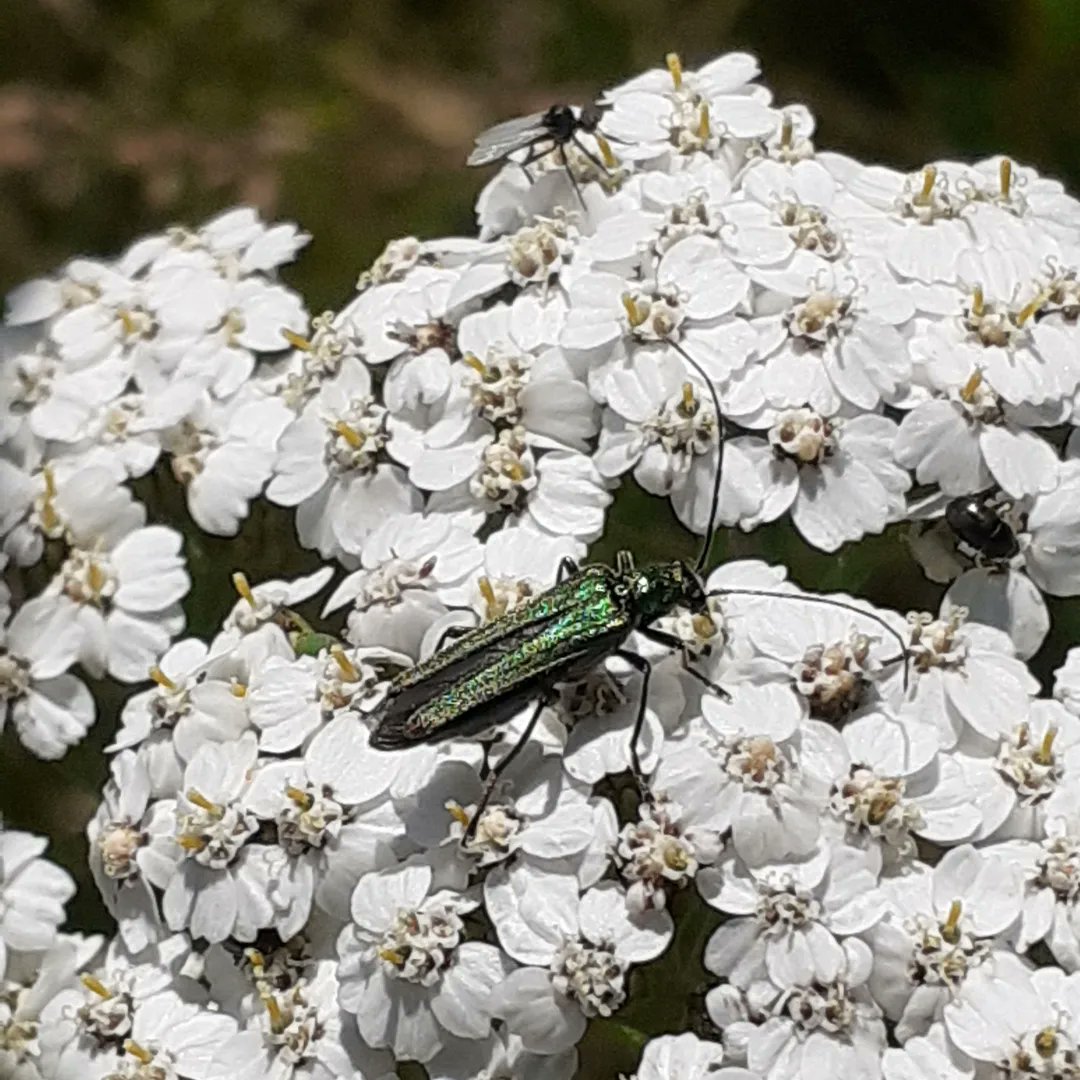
(497, 142)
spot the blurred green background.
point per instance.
(118, 117)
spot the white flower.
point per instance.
(330, 466)
(794, 913)
(941, 928)
(405, 956)
(927, 1055)
(685, 1057)
(50, 708)
(33, 892)
(577, 949)
(127, 596)
(837, 476)
(500, 1055)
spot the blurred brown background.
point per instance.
(354, 117)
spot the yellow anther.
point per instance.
(255, 958)
(297, 341)
(391, 956)
(1030, 308)
(137, 1051)
(345, 665)
(607, 155)
(277, 1018)
(516, 472)
(161, 678)
(950, 929)
(689, 401)
(703, 625)
(201, 801)
(475, 363)
(349, 434)
(96, 578)
(240, 584)
(674, 65)
(50, 482)
(1005, 176)
(1045, 756)
(237, 688)
(192, 843)
(486, 591)
(457, 812)
(301, 798)
(1047, 1042)
(95, 986)
(633, 312)
(127, 322)
(703, 128)
(675, 859)
(968, 392)
(929, 178)
(978, 302)
(787, 132)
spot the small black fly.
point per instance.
(539, 133)
(980, 523)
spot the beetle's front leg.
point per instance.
(672, 642)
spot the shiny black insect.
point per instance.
(978, 523)
(555, 128)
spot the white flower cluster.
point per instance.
(883, 809)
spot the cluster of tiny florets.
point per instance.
(882, 808)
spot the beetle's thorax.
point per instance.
(656, 590)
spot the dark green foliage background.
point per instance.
(122, 116)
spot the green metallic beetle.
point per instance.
(490, 673)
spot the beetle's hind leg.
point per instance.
(497, 772)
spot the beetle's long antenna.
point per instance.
(714, 505)
(829, 602)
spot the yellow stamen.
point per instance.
(978, 302)
(255, 958)
(301, 798)
(392, 957)
(703, 625)
(457, 812)
(50, 482)
(675, 859)
(347, 667)
(689, 402)
(240, 584)
(297, 341)
(516, 472)
(201, 801)
(1030, 309)
(237, 689)
(161, 678)
(703, 128)
(1047, 1042)
(127, 322)
(96, 578)
(486, 591)
(633, 313)
(607, 155)
(1045, 756)
(929, 178)
(1005, 177)
(350, 435)
(277, 1019)
(475, 363)
(674, 65)
(950, 929)
(787, 132)
(96, 987)
(136, 1051)
(192, 843)
(967, 394)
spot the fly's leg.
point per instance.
(497, 772)
(672, 642)
(591, 156)
(535, 151)
(642, 665)
(571, 177)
